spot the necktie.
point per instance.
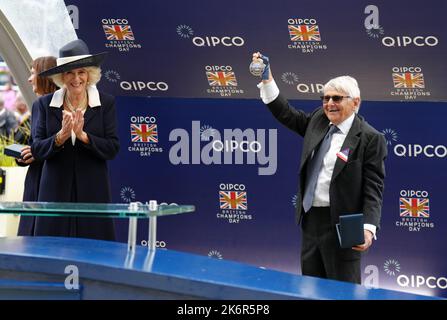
(314, 166)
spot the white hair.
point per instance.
(346, 84)
(94, 75)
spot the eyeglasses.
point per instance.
(335, 98)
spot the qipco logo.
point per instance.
(143, 119)
(310, 87)
(418, 281)
(234, 145)
(158, 244)
(417, 150)
(219, 68)
(214, 41)
(232, 187)
(407, 69)
(115, 21)
(295, 21)
(404, 41)
(144, 85)
(414, 193)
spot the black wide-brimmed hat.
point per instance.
(73, 55)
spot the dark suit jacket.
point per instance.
(356, 185)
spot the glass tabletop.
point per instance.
(106, 210)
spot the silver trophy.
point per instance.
(257, 67)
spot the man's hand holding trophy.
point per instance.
(260, 66)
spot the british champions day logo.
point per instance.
(305, 35)
(233, 203)
(144, 136)
(414, 210)
(409, 83)
(222, 81)
(233, 147)
(119, 35)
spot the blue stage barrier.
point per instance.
(108, 271)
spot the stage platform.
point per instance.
(38, 267)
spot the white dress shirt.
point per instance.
(321, 195)
(269, 92)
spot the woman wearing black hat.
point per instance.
(76, 135)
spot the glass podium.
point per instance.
(132, 211)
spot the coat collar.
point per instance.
(93, 97)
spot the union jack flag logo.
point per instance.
(221, 78)
(233, 200)
(414, 207)
(343, 155)
(304, 33)
(118, 32)
(144, 132)
(408, 80)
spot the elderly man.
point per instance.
(342, 171)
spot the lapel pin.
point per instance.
(343, 154)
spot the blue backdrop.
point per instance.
(193, 130)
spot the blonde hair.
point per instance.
(94, 75)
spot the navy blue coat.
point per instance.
(76, 173)
(32, 180)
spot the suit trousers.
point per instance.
(321, 254)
